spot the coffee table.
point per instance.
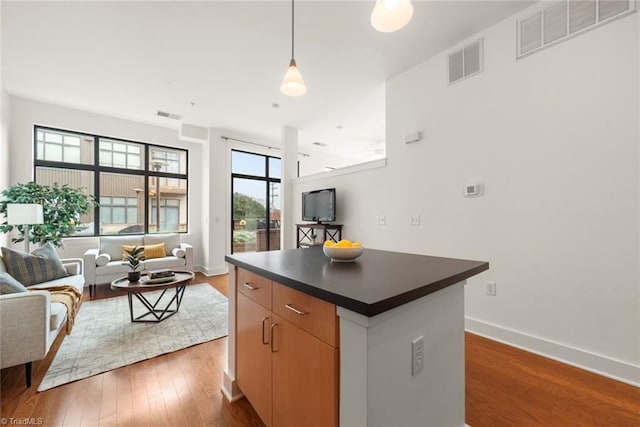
(137, 289)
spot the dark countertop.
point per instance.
(376, 282)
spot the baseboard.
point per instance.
(230, 388)
(211, 271)
(601, 365)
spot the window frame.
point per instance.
(146, 172)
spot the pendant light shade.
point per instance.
(292, 84)
(391, 15)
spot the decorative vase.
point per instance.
(133, 276)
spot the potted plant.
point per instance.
(62, 208)
(134, 256)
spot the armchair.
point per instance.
(31, 322)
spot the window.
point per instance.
(256, 202)
(119, 154)
(118, 211)
(58, 146)
(129, 180)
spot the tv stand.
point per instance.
(324, 232)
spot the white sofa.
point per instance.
(104, 264)
(31, 322)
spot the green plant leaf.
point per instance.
(63, 207)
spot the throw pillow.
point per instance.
(128, 248)
(154, 251)
(150, 251)
(178, 252)
(170, 240)
(102, 259)
(41, 265)
(9, 285)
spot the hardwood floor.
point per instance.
(505, 387)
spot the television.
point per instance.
(319, 205)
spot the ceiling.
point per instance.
(220, 64)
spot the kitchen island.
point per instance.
(388, 330)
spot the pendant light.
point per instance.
(292, 84)
(391, 15)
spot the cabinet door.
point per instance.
(305, 378)
(253, 356)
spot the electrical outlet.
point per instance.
(414, 220)
(382, 220)
(491, 288)
(417, 355)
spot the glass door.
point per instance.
(256, 202)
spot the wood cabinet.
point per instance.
(286, 353)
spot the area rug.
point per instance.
(103, 337)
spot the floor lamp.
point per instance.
(25, 214)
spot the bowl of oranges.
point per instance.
(342, 251)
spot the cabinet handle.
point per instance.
(265, 342)
(248, 286)
(295, 310)
(273, 327)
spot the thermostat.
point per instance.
(472, 190)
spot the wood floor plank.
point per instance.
(125, 415)
(203, 385)
(505, 386)
(91, 399)
(108, 401)
(75, 408)
(157, 415)
(140, 398)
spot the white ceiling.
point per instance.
(130, 59)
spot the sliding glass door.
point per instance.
(256, 204)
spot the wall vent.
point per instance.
(466, 62)
(566, 18)
(169, 115)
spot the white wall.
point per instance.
(4, 149)
(4, 140)
(554, 139)
(26, 113)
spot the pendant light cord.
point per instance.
(292, 28)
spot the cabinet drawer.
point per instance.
(311, 314)
(256, 287)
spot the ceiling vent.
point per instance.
(466, 62)
(169, 115)
(564, 19)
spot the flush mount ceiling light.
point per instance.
(292, 84)
(391, 15)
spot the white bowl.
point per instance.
(339, 254)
